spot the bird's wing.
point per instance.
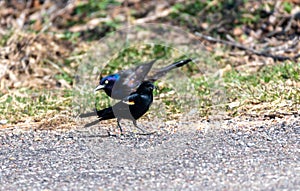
(130, 100)
(130, 79)
(161, 72)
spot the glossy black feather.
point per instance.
(160, 73)
(131, 107)
(120, 85)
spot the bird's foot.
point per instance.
(147, 133)
(109, 134)
(122, 133)
(143, 131)
(136, 134)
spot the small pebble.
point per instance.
(3, 122)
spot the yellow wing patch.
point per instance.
(129, 102)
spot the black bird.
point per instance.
(120, 85)
(131, 107)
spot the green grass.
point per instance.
(273, 85)
(5, 37)
(280, 72)
(288, 6)
(25, 104)
(65, 76)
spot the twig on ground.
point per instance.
(250, 50)
(152, 18)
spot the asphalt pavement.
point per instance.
(247, 155)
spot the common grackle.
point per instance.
(120, 85)
(131, 107)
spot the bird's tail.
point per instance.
(102, 114)
(160, 73)
(106, 113)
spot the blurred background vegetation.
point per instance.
(254, 43)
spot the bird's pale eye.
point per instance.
(106, 81)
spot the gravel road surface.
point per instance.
(247, 155)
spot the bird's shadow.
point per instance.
(91, 123)
(109, 134)
(120, 135)
(123, 135)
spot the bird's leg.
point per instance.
(135, 124)
(119, 125)
(143, 130)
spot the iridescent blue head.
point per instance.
(107, 83)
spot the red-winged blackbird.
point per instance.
(131, 107)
